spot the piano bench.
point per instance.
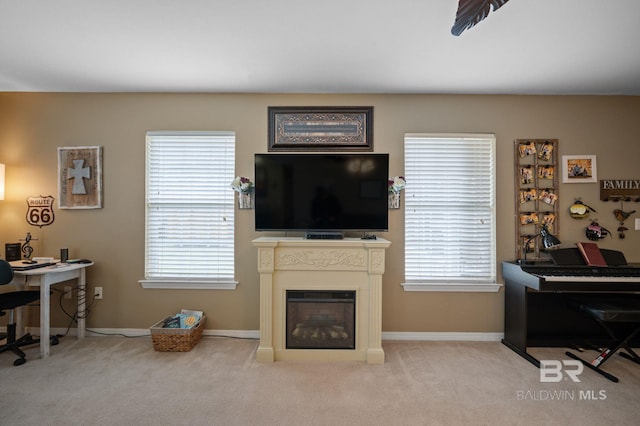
(622, 310)
(610, 311)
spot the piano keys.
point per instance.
(545, 276)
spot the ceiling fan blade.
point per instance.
(470, 12)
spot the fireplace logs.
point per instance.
(306, 331)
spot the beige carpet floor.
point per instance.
(123, 381)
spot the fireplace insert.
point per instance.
(321, 319)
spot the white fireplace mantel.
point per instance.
(350, 264)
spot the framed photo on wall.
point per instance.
(320, 128)
(80, 177)
(579, 169)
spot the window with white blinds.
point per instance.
(450, 229)
(189, 240)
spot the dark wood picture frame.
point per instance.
(320, 128)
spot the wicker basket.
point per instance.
(175, 339)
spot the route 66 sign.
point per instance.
(40, 212)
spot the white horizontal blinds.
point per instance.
(190, 205)
(449, 209)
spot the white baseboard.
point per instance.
(139, 332)
(255, 334)
(443, 336)
(240, 334)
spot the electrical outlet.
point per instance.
(637, 224)
(97, 292)
(67, 292)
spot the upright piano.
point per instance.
(537, 296)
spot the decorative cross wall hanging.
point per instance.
(80, 177)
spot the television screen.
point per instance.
(321, 192)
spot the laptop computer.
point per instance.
(20, 265)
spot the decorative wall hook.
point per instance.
(620, 190)
(621, 216)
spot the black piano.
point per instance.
(538, 295)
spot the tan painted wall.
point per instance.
(33, 125)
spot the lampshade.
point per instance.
(548, 241)
(1, 181)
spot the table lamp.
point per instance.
(549, 241)
(1, 181)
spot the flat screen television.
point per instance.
(321, 192)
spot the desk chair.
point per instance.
(8, 302)
(606, 312)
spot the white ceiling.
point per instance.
(322, 46)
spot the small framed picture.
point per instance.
(579, 169)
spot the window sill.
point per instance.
(184, 284)
(453, 287)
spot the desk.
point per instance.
(45, 278)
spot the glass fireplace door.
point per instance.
(320, 319)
